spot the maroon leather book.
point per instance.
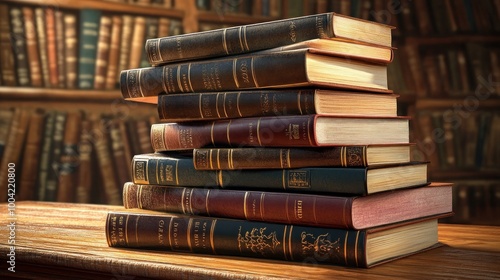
(347, 212)
(283, 131)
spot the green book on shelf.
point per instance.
(89, 31)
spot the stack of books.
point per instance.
(277, 140)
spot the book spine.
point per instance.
(170, 171)
(235, 73)
(126, 37)
(264, 158)
(33, 56)
(241, 39)
(31, 157)
(235, 104)
(84, 185)
(204, 235)
(6, 55)
(60, 46)
(89, 31)
(50, 29)
(71, 49)
(287, 131)
(5, 123)
(45, 159)
(123, 174)
(69, 159)
(274, 207)
(55, 162)
(114, 52)
(137, 42)
(19, 46)
(102, 53)
(42, 45)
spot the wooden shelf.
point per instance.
(236, 19)
(107, 6)
(52, 94)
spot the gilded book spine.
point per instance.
(19, 46)
(102, 53)
(241, 39)
(159, 169)
(263, 158)
(33, 56)
(7, 64)
(235, 104)
(287, 131)
(275, 207)
(50, 25)
(204, 235)
(235, 73)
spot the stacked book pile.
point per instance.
(277, 140)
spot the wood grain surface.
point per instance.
(60, 240)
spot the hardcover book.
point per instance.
(294, 68)
(347, 212)
(178, 170)
(271, 158)
(280, 131)
(265, 35)
(221, 236)
(272, 102)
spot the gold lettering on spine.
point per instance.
(240, 37)
(245, 205)
(290, 243)
(235, 74)
(258, 132)
(238, 104)
(179, 82)
(245, 37)
(212, 229)
(224, 43)
(253, 73)
(345, 247)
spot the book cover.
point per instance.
(88, 38)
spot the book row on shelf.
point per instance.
(476, 202)
(152, 3)
(248, 161)
(44, 46)
(70, 156)
(459, 140)
(441, 17)
(265, 8)
(446, 70)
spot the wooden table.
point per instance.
(67, 241)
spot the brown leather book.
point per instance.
(114, 53)
(32, 47)
(293, 68)
(102, 53)
(280, 131)
(6, 55)
(120, 159)
(347, 212)
(50, 25)
(70, 49)
(69, 160)
(137, 42)
(273, 102)
(60, 46)
(254, 37)
(11, 157)
(19, 45)
(267, 158)
(31, 157)
(42, 44)
(223, 236)
(84, 181)
(125, 43)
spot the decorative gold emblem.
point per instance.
(258, 242)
